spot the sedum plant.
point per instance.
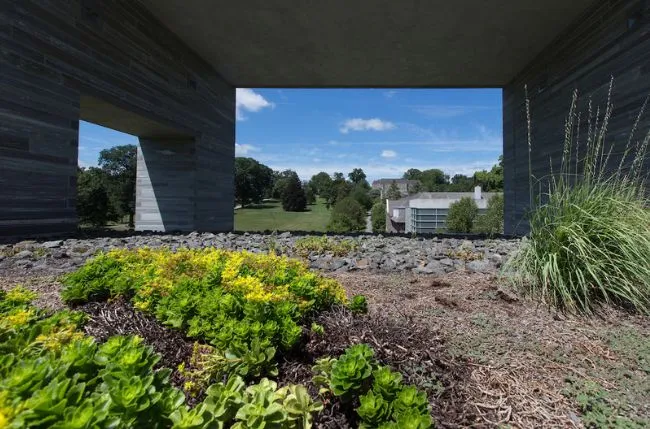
(246, 306)
(384, 401)
(359, 304)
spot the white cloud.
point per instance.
(390, 94)
(245, 149)
(249, 100)
(358, 124)
(388, 154)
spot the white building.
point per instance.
(426, 212)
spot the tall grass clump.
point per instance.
(589, 239)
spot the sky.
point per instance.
(383, 131)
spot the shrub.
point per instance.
(322, 245)
(359, 304)
(347, 216)
(589, 237)
(246, 306)
(378, 217)
(461, 215)
(491, 223)
(293, 197)
(383, 400)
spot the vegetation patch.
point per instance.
(589, 237)
(322, 245)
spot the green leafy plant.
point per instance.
(386, 383)
(374, 409)
(352, 370)
(359, 304)
(322, 245)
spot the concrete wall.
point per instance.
(109, 62)
(611, 39)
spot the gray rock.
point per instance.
(52, 244)
(24, 254)
(447, 262)
(24, 263)
(482, 266)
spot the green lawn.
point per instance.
(270, 216)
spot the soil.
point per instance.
(486, 356)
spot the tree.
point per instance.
(461, 215)
(393, 192)
(252, 181)
(378, 217)
(280, 181)
(322, 183)
(93, 204)
(293, 197)
(358, 177)
(339, 190)
(491, 222)
(492, 180)
(413, 174)
(347, 216)
(461, 183)
(434, 180)
(361, 195)
(119, 163)
(310, 193)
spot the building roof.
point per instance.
(397, 181)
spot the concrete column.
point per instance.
(184, 184)
(39, 125)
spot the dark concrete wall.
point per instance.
(57, 55)
(612, 39)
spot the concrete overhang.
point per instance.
(368, 43)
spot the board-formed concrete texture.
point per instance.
(165, 70)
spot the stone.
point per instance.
(362, 264)
(24, 263)
(52, 244)
(433, 267)
(24, 254)
(447, 262)
(480, 266)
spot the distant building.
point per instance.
(426, 212)
(405, 186)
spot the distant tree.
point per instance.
(491, 181)
(339, 190)
(338, 176)
(347, 216)
(280, 181)
(252, 181)
(393, 192)
(413, 174)
(310, 192)
(119, 163)
(415, 188)
(461, 183)
(434, 180)
(93, 203)
(491, 222)
(362, 196)
(293, 197)
(378, 217)
(375, 195)
(461, 215)
(358, 177)
(322, 183)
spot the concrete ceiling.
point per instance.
(367, 43)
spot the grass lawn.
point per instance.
(270, 216)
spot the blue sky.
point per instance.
(383, 131)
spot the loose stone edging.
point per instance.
(375, 253)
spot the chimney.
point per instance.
(477, 193)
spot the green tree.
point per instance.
(378, 217)
(362, 196)
(358, 177)
(293, 197)
(491, 181)
(461, 215)
(393, 192)
(252, 181)
(461, 183)
(491, 222)
(413, 174)
(322, 183)
(119, 163)
(310, 193)
(347, 216)
(93, 204)
(339, 190)
(280, 182)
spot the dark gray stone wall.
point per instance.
(55, 56)
(612, 39)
